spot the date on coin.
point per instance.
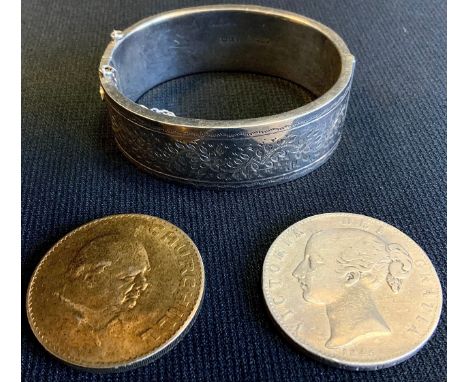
(352, 290)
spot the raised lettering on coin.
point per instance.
(366, 295)
(115, 292)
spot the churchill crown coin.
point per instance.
(116, 292)
(351, 290)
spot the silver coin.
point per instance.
(352, 290)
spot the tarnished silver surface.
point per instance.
(351, 290)
(231, 153)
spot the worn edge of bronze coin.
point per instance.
(336, 362)
(134, 362)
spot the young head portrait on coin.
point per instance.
(352, 290)
(340, 269)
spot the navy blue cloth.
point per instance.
(390, 164)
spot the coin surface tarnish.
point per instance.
(352, 290)
(116, 292)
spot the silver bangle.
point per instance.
(231, 153)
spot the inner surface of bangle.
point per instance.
(226, 96)
(225, 41)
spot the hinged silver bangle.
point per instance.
(227, 153)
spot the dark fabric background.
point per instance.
(391, 164)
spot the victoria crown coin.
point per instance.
(352, 290)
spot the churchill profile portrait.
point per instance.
(104, 279)
(342, 269)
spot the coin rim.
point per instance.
(336, 361)
(138, 360)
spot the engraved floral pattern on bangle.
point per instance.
(219, 160)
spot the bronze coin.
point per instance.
(116, 292)
(352, 290)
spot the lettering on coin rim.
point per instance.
(393, 358)
(124, 363)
